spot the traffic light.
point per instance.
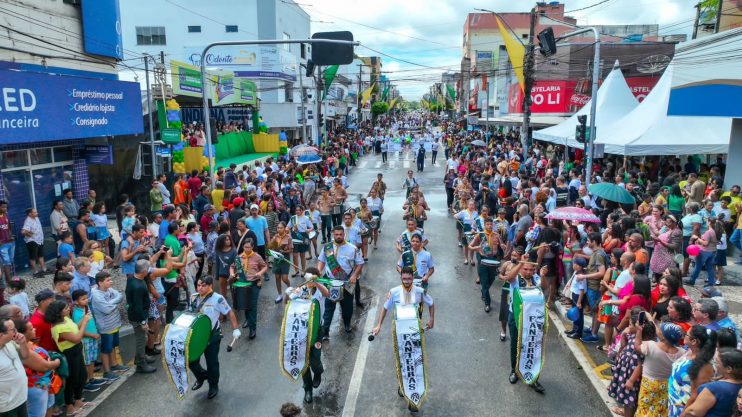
(547, 42)
(581, 129)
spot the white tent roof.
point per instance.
(615, 100)
(648, 130)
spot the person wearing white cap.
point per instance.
(258, 224)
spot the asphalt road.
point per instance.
(468, 365)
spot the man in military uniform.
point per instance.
(342, 261)
(418, 259)
(213, 305)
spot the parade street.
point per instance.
(468, 365)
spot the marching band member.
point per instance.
(283, 244)
(300, 226)
(409, 182)
(342, 261)
(376, 205)
(418, 259)
(522, 275)
(249, 273)
(487, 245)
(404, 241)
(407, 293)
(365, 216)
(416, 211)
(312, 290)
(466, 222)
(213, 305)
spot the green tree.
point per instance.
(379, 108)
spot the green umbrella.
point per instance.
(611, 192)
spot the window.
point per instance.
(303, 51)
(194, 29)
(63, 153)
(151, 35)
(231, 28)
(286, 46)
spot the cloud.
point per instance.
(430, 32)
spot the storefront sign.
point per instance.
(221, 114)
(170, 136)
(42, 107)
(641, 86)
(99, 154)
(248, 61)
(224, 87)
(101, 28)
(546, 97)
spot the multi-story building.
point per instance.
(66, 121)
(180, 31)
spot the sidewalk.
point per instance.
(594, 362)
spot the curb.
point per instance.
(587, 367)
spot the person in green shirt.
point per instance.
(675, 201)
(155, 198)
(177, 255)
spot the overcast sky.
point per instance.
(429, 32)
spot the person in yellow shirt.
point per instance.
(661, 199)
(734, 194)
(217, 196)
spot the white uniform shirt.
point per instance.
(398, 295)
(303, 223)
(347, 256)
(214, 306)
(423, 262)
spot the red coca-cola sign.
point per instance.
(579, 99)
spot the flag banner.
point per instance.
(298, 333)
(366, 95)
(451, 92)
(530, 314)
(409, 349)
(516, 53)
(385, 93)
(329, 76)
(174, 354)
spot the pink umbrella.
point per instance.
(575, 214)
(301, 150)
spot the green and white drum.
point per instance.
(529, 311)
(185, 340)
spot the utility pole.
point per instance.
(719, 9)
(303, 109)
(359, 97)
(318, 100)
(528, 75)
(487, 113)
(698, 17)
(149, 117)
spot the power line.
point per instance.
(588, 7)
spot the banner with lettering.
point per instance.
(300, 325)
(409, 349)
(530, 312)
(174, 355)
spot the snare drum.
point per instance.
(336, 290)
(199, 329)
(374, 223)
(490, 263)
(312, 234)
(241, 295)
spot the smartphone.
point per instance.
(642, 318)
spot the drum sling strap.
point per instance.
(197, 307)
(332, 263)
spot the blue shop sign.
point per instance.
(99, 154)
(42, 107)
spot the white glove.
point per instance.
(236, 333)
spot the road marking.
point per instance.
(392, 164)
(362, 164)
(406, 164)
(354, 388)
(378, 165)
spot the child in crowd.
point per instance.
(18, 296)
(130, 217)
(62, 283)
(105, 302)
(89, 340)
(721, 258)
(100, 221)
(579, 287)
(66, 246)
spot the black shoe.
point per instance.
(573, 335)
(196, 385)
(308, 397)
(360, 304)
(149, 359)
(513, 378)
(568, 332)
(538, 387)
(412, 408)
(502, 337)
(348, 329)
(152, 352)
(213, 391)
(317, 380)
(487, 309)
(252, 334)
(325, 338)
(145, 369)
(244, 325)
(399, 392)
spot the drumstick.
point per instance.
(231, 345)
(371, 337)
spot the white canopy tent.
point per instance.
(615, 100)
(648, 130)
